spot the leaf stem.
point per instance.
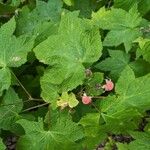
(28, 94)
(101, 97)
(36, 100)
(49, 115)
(95, 107)
(37, 106)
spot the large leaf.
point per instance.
(141, 141)
(143, 5)
(13, 51)
(64, 133)
(133, 92)
(66, 53)
(140, 67)
(90, 123)
(117, 61)
(125, 4)
(132, 97)
(121, 122)
(10, 106)
(84, 6)
(123, 26)
(28, 22)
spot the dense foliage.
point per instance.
(75, 74)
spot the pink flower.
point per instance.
(109, 85)
(86, 99)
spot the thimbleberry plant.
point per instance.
(55, 56)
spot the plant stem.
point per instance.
(31, 108)
(28, 94)
(96, 107)
(36, 100)
(49, 115)
(101, 97)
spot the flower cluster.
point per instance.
(108, 86)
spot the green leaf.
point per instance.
(84, 7)
(62, 134)
(126, 5)
(67, 99)
(140, 67)
(13, 51)
(77, 46)
(91, 119)
(10, 106)
(126, 78)
(141, 141)
(144, 7)
(120, 122)
(132, 97)
(43, 30)
(123, 26)
(145, 50)
(131, 92)
(135, 92)
(2, 146)
(90, 123)
(116, 63)
(69, 2)
(28, 22)
(122, 146)
(92, 85)
(5, 79)
(16, 2)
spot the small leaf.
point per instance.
(93, 84)
(2, 146)
(69, 2)
(67, 99)
(63, 134)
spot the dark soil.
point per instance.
(10, 143)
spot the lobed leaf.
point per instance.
(77, 46)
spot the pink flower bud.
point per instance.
(108, 86)
(86, 99)
(88, 73)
